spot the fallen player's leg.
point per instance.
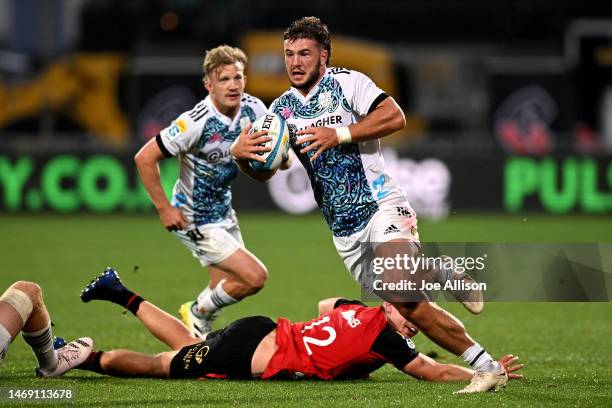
(167, 328)
(22, 309)
(232, 349)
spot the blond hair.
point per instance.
(222, 55)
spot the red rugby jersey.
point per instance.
(349, 342)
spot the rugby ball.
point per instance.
(278, 130)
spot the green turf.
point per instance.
(567, 347)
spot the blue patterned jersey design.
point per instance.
(291, 106)
(338, 179)
(213, 172)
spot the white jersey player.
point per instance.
(200, 213)
(340, 114)
(201, 138)
(341, 98)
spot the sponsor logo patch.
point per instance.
(391, 229)
(176, 128)
(201, 353)
(403, 211)
(410, 343)
(350, 318)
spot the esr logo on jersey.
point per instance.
(350, 318)
(176, 128)
(325, 99)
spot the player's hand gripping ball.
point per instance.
(278, 130)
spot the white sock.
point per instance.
(41, 342)
(5, 341)
(480, 360)
(213, 300)
(198, 307)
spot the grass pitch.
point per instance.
(567, 347)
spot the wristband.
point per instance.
(344, 135)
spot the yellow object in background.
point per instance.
(266, 73)
(83, 87)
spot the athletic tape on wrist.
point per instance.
(20, 301)
(344, 135)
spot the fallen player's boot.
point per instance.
(471, 299)
(106, 286)
(199, 326)
(69, 356)
(483, 381)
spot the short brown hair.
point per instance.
(222, 55)
(311, 28)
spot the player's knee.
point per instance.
(107, 359)
(257, 278)
(31, 289)
(160, 365)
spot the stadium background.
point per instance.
(509, 138)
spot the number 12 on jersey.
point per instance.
(318, 342)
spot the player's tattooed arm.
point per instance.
(146, 162)
(385, 119)
(245, 148)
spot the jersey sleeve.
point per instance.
(365, 94)
(394, 348)
(341, 302)
(182, 134)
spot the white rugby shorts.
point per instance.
(392, 221)
(213, 243)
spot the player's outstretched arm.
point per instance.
(147, 163)
(425, 368)
(385, 119)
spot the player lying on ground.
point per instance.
(22, 309)
(347, 341)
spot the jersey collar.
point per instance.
(226, 120)
(313, 91)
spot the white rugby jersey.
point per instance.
(349, 181)
(202, 138)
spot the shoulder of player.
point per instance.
(340, 71)
(252, 102)
(249, 99)
(279, 99)
(345, 76)
(198, 113)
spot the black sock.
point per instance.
(93, 363)
(128, 299)
(134, 303)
